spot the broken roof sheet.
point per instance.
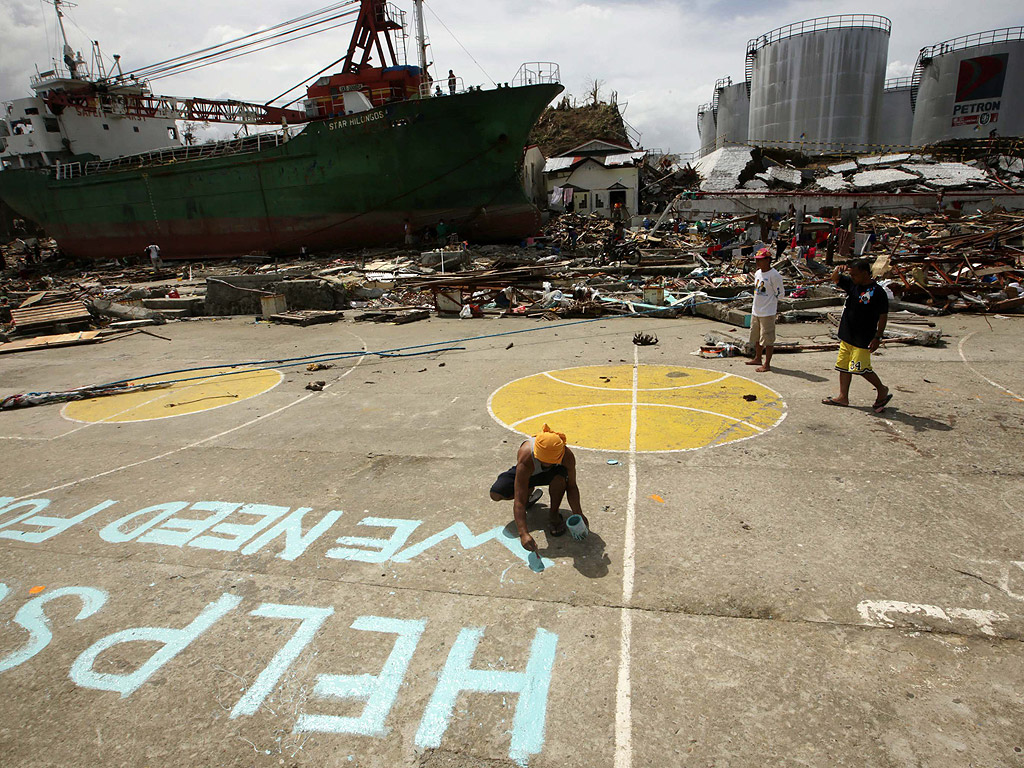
(560, 163)
(626, 158)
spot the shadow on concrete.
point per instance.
(797, 374)
(917, 423)
(589, 556)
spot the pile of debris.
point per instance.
(733, 168)
(579, 266)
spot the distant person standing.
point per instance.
(860, 332)
(408, 233)
(452, 82)
(154, 256)
(442, 233)
(768, 289)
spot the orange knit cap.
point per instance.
(548, 446)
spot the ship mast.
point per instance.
(421, 36)
(67, 52)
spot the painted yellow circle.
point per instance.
(677, 409)
(177, 399)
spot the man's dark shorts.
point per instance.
(505, 485)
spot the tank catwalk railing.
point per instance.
(720, 84)
(537, 72)
(244, 145)
(702, 110)
(820, 24)
(1005, 35)
(896, 83)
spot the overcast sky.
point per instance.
(662, 57)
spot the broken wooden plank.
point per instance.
(48, 342)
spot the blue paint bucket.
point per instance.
(577, 528)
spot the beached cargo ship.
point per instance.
(369, 160)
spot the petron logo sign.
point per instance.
(979, 90)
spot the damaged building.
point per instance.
(596, 177)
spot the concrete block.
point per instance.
(241, 294)
(849, 167)
(721, 170)
(755, 184)
(949, 175)
(888, 179)
(1013, 165)
(191, 306)
(787, 177)
(878, 161)
(835, 183)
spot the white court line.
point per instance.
(960, 349)
(623, 689)
(37, 494)
(645, 405)
(629, 389)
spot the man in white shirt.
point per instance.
(154, 256)
(768, 289)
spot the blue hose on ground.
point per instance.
(126, 385)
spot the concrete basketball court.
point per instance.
(242, 572)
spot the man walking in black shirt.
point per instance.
(860, 332)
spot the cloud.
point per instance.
(662, 57)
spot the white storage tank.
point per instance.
(897, 124)
(816, 85)
(706, 128)
(732, 115)
(970, 86)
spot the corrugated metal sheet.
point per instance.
(627, 158)
(560, 163)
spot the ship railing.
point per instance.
(1005, 35)
(242, 145)
(67, 170)
(430, 89)
(536, 73)
(57, 73)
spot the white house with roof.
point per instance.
(594, 177)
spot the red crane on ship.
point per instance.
(389, 81)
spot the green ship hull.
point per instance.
(343, 182)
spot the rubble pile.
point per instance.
(579, 266)
(733, 168)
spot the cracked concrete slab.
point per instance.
(876, 161)
(887, 179)
(720, 171)
(949, 175)
(834, 183)
(789, 177)
(849, 167)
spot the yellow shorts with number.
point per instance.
(855, 360)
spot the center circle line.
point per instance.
(640, 389)
(639, 405)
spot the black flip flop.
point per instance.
(558, 530)
(879, 405)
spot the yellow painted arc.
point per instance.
(177, 399)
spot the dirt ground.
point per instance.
(320, 578)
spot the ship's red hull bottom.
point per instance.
(226, 238)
